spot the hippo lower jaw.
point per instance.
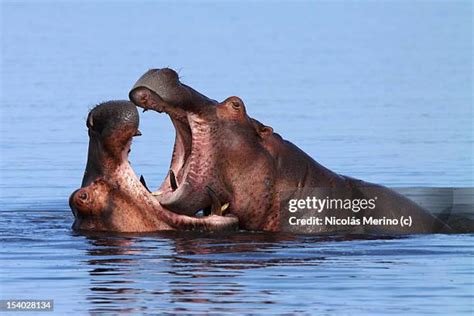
(147, 217)
(191, 186)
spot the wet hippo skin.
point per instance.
(111, 197)
(222, 156)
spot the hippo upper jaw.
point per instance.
(172, 94)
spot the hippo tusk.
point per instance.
(142, 180)
(224, 207)
(173, 183)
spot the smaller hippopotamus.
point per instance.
(111, 197)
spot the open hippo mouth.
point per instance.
(192, 184)
(111, 197)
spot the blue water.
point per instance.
(377, 90)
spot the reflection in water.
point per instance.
(240, 273)
(109, 284)
(193, 268)
(117, 261)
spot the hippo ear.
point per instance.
(265, 131)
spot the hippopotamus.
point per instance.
(111, 197)
(224, 157)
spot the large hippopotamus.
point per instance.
(224, 157)
(111, 197)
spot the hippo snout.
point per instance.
(113, 115)
(165, 75)
(161, 87)
(79, 202)
(164, 82)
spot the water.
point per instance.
(240, 273)
(375, 90)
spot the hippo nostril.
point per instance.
(235, 105)
(142, 96)
(83, 196)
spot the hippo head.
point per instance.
(111, 197)
(217, 153)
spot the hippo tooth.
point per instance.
(224, 207)
(157, 193)
(142, 180)
(173, 183)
